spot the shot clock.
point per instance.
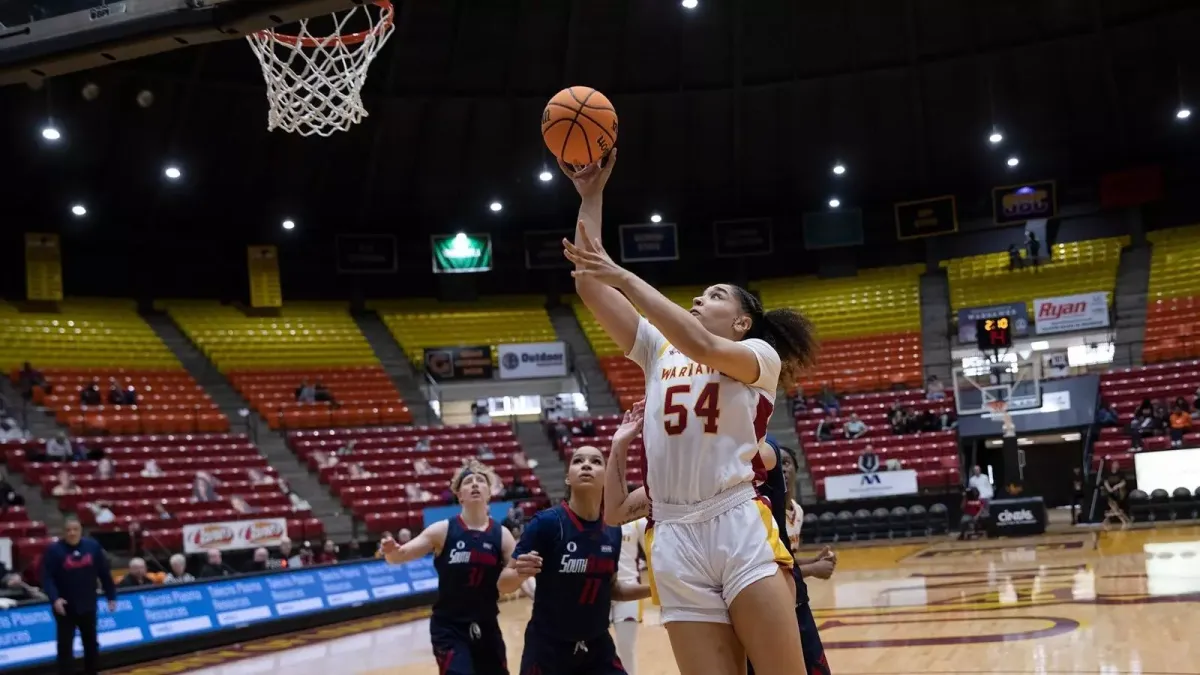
(994, 334)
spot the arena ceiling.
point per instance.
(733, 109)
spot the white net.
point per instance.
(315, 79)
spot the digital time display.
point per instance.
(993, 334)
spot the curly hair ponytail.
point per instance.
(788, 331)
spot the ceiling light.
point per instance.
(1183, 113)
(51, 133)
(655, 218)
(79, 210)
(289, 225)
(1013, 161)
(173, 172)
(834, 203)
(839, 169)
(689, 4)
(496, 207)
(995, 138)
(545, 176)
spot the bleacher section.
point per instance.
(1074, 267)
(267, 358)
(105, 342)
(1173, 298)
(133, 497)
(422, 323)
(389, 453)
(1125, 389)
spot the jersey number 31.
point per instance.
(675, 413)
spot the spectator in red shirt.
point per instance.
(328, 554)
(971, 509)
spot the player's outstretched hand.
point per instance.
(590, 180)
(528, 564)
(592, 261)
(828, 554)
(631, 423)
(389, 546)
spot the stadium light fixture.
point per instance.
(51, 132)
(655, 218)
(1013, 161)
(172, 172)
(690, 4)
(289, 224)
(79, 210)
(834, 203)
(1183, 113)
(545, 176)
(496, 207)
(839, 169)
(995, 137)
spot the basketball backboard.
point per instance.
(980, 382)
(45, 38)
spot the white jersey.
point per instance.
(702, 429)
(632, 536)
(795, 519)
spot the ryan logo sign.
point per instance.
(1071, 313)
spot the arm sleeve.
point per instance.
(646, 345)
(105, 574)
(768, 364)
(49, 567)
(538, 536)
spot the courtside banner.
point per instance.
(1070, 312)
(533, 359)
(544, 249)
(926, 218)
(743, 238)
(869, 485)
(233, 535)
(1027, 201)
(649, 242)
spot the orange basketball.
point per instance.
(579, 125)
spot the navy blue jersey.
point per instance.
(468, 568)
(579, 563)
(773, 486)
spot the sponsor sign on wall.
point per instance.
(870, 485)
(459, 363)
(533, 359)
(1070, 312)
(234, 535)
(1017, 517)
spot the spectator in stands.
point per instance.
(136, 576)
(982, 485)
(1181, 423)
(101, 512)
(10, 429)
(8, 495)
(241, 506)
(58, 449)
(178, 573)
(935, 390)
(258, 563)
(1014, 258)
(1143, 425)
(347, 449)
(105, 469)
(29, 379)
(14, 590)
(325, 460)
(285, 557)
(1033, 247)
(258, 477)
(328, 554)
(131, 395)
(298, 502)
(947, 421)
(586, 429)
(517, 490)
(66, 484)
(404, 536)
(357, 472)
(305, 558)
(828, 401)
(972, 511)
(215, 566)
(1114, 488)
(422, 467)
(71, 568)
(900, 418)
(150, 469)
(479, 412)
(204, 488)
(305, 393)
(424, 444)
(90, 395)
(854, 427)
(322, 395)
(1107, 415)
(484, 452)
(824, 431)
(116, 396)
(414, 493)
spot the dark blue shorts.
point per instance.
(548, 656)
(815, 662)
(466, 648)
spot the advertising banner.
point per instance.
(870, 485)
(27, 633)
(1013, 204)
(926, 218)
(459, 363)
(968, 319)
(461, 253)
(1016, 517)
(649, 242)
(533, 359)
(234, 534)
(743, 238)
(1071, 312)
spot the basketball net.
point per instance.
(314, 82)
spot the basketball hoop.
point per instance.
(314, 82)
(998, 407)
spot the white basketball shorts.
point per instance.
(626, 611)
(702, 555)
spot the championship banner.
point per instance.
(461, 253)
(43, 267)
(833, 229)
(968, 319)
(234, 535)
(459, 363)
(265, 289)
(649, 242)
(1071, 312)
(544, 249)
(926, 218)
(743, 238)
(366, 254)
(1018, 203)
(533, 359)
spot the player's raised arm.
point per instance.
(612, 310)
(521, 564)
(430, 540)
(624, 591)
(620, 505)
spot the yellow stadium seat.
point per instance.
(424, 323)
(1173, 297)
(84, 333)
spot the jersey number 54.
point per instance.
(675, 412)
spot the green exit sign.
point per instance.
(461, 253)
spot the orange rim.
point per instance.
(386, 18)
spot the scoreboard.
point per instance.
(994, 334)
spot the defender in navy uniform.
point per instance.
(568, 632)
(470, 552)
(775, 485)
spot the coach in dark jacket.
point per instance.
(70, 568)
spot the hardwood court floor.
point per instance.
(1115, 602)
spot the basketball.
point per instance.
(579, 125)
